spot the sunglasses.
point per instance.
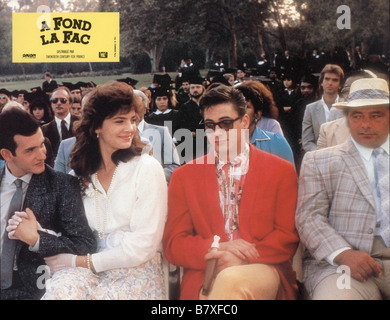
(62, 100)
(224, 124)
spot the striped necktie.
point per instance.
(382, 187)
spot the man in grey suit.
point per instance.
(316, 113)
(342, 215)
(42, 213)
(163, 148)
(63, 156)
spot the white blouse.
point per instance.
(137, 211)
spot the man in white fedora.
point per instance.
(342, 215)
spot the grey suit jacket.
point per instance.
(313, 118)
(335, 208)
(55, 199)
(164, 149)
(62, 162)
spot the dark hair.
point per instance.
(15, 121)
(264, 97)
(102, 103)
(164, 92)
(253, 96)
(223, 94)
(42, 103)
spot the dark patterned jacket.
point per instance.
(56, 201)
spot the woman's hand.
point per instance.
(61, 261)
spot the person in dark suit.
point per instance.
(61, 127)
(50, 219)
(189, 118)
(49, 85)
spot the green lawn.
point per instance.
(144, 80)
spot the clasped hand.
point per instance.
(233, 253)
(23, 226)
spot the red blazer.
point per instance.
(266, 218)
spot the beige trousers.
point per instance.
(246, 282)
(331, 288)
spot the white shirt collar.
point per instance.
(9, 178)
(165, 112)
(366, 153)
(67, 120)
(326, 108)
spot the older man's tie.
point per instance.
(382, 185)
(65, 133)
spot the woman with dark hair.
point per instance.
(270, 113)
(125, 199)
(40, 109)
(264, 140)
(163, 103)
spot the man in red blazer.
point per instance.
(246, 197)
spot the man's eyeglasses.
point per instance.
(3, 97)
(224, 124)
(62, 100)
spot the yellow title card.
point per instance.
(65, 37)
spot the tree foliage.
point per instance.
(237, 30)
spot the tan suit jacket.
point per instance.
(333, 133)
(335, 208)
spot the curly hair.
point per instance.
(262, 98)
(103, 102)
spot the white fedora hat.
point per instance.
(366, 92)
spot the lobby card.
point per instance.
(65, 37)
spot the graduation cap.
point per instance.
(82, 84)
(68, 85)
(212, 73)
(230, 70)
(310, 78)
(221, 79)
(91, 84)
(161, 92)
(28, 96)
(196, 80)
(36, 89)
(129, 81)
(164, 80)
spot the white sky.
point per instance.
(14, 3)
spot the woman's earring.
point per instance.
(97, 135)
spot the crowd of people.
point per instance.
(227, 177)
